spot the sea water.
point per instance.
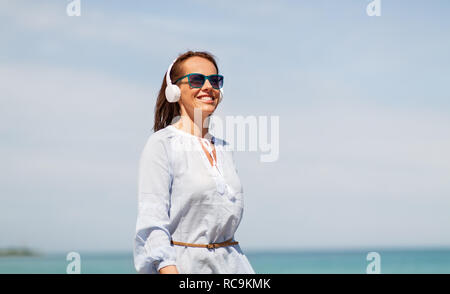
(264, 262)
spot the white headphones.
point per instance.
(173, 92)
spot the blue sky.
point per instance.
(363, 104)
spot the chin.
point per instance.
(208, 110)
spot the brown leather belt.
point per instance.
(209, 246)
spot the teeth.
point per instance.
(205, 98)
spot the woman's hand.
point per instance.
(170, 269)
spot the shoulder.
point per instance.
(223, 144)
(162, 136)
(226, 148)
(159, 141)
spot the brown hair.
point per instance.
(165, 111)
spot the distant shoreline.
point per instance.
(15, 251)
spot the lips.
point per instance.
(206, 98)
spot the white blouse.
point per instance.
(182, 197)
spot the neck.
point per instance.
(197, 124)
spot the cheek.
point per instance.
(217, 96)
(188, 96)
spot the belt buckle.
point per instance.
(210, 246)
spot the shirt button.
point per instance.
(220, 187)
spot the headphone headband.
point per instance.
(168, 80)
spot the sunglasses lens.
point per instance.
(197, 81)
(216, 81)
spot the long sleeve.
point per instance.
(152, 248)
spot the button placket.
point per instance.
(217, 175)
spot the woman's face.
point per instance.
(191, 97)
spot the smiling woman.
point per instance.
(197, 85)
(190, 198)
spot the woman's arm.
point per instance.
(170, 269)
(153, 250)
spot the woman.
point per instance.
(190, 196)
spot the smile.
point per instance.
(206, 99)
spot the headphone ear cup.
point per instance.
(173, 93)
(221, 95)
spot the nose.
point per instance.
(207, 85)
